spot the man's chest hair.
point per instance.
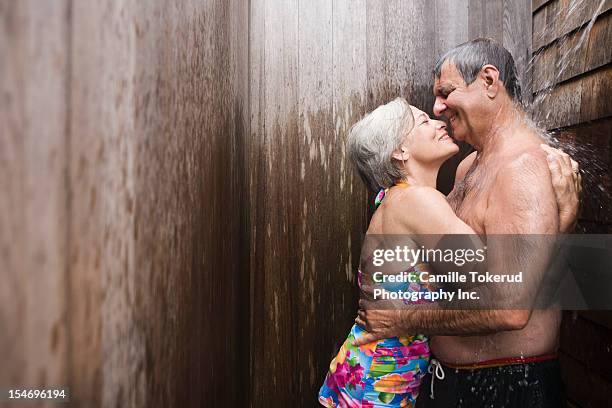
(468, 198)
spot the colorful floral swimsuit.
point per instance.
(385, 373)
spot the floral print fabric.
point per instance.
(382, 374)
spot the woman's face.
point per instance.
(428, 142)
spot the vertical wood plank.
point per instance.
(400, 57)
(378, 83)
(516, 38)
(350, 194)
(277, 201)
(486, 19)
(188, 261)
(101, 182)
(315, 201)
(256, 168)
(157, 257)
(451, 25)
(240, 377)
(34, 81)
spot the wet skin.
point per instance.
(503, 187)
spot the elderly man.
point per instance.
(489, 358)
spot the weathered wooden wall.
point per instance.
(315, 68)
(155, 238)
(120, 179)
(572, 82)
(180, 224)
(34, 115)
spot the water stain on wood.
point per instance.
(206, 221)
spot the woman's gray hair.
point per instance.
(372, 141)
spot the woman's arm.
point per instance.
(424, 213)
(424, 210)
(567, 184)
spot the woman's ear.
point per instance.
(401, 154)
(490, 76)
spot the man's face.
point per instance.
(456, 102)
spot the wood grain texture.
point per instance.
(516, 37)
(451, 25)
(400, 58)
(595, 89)
(576, 54)
(509, 23)
(560, 107)
(537, 4)
(103, 256)
(592, 140)
(315, 68)
(561, 17)
(486, 19)
(593, 345)
(273, 233)
(319, 155)
(192, 213)
(303, 248)
(351, 199)
(582, 386)
(156, 258)
(571, 79)
(575, 101)
(34, 61)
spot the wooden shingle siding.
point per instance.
(573, 102)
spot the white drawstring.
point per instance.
(436, 371)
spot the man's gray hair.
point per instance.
(372, 141)
(471, 56)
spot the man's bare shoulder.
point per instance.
(522, 199)
(527, 164)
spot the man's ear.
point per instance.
(490, 76)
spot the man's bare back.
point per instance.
(470, 201)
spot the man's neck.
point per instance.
(507, 125)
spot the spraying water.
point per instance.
(561, 47)
(571, 40)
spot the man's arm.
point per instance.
(522, 202)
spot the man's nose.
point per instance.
(439, 106)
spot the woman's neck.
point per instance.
(417, 175)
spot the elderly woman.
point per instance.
(396, 147)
